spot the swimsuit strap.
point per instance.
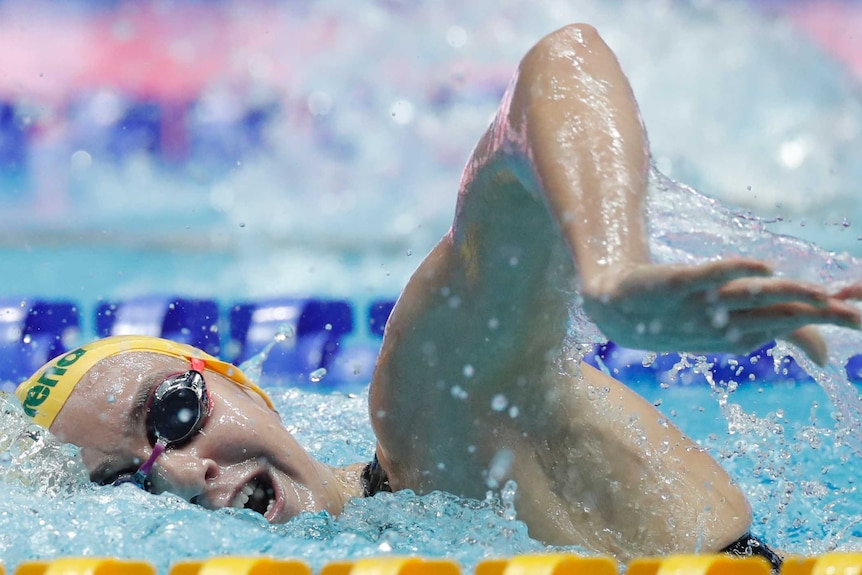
(750, 546)
(374, 479)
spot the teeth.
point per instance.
(242, 497)
(253, 489)
(240, 500)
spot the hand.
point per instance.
(732, 306)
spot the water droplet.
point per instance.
(284, 333)
(468, 371)
(500, 467)
(81, 159)
(316, 375)
(720, 317)
(458, 392)
(499, 402)
(402, 111)
(456, 36)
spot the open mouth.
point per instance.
(258, 495)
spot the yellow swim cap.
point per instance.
(46, 391)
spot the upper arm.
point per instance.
(490, 303)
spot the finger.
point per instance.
(714, 274)
(781, 318)
(759, 292)
(809, 340)
(850, 292)
(687, 279)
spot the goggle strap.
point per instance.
(158, 449)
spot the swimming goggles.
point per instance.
(176, 411)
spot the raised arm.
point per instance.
(571, 131)
(473, 366)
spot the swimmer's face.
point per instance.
(242, 448)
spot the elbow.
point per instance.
(580, 40)
(564, 64)
(585, 34)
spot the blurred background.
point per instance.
(254, 147)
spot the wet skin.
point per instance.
(243, 443)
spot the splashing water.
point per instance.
(719, 232)
(253, 366)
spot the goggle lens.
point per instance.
(179, 408)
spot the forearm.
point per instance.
(581, 129)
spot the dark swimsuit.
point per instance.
(374, 479)
(750, 546)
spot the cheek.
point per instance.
(238, 431)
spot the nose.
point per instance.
(185, 474)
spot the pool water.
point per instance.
(800, 478)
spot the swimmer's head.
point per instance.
(44, 394)
(170, 418)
